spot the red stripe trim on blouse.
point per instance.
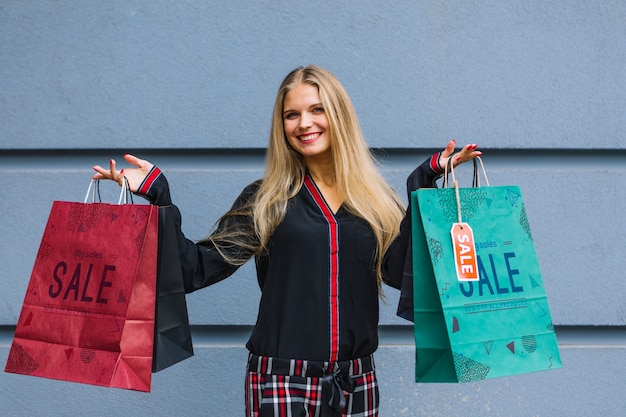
(434, 163)
(333, 229)
(149, 180)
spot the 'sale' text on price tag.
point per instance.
(464, 252)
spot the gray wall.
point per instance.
(190, 85)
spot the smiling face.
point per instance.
(305, 122)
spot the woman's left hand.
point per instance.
(468, 153)
(135, 176)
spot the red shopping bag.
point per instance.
(88, 313)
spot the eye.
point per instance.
(290, 115)
(318, 110)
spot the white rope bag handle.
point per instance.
(455, 184)
(123, 199)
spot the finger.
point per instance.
(449, 150)
(133, 160)
(112, 169)
(116, 175)
(101, 173)
(472, 152)
(469, 148)
(141, 163)
(468, 153)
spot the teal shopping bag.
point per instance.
(496, 323)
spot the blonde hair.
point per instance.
(364, 191)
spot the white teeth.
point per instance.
(305, 138)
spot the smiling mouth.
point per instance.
(309, 137)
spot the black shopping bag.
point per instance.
(172, 333)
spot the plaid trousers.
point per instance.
(299, 388)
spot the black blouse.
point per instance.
(319, 296)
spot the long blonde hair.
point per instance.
(364, 191)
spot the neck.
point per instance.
(322, 171)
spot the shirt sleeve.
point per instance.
(201, 262)
(397, 264)
(155, 188)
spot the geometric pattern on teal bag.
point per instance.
(530, 343)
(471, 199)
(523, 221)
(436, 250)
(468, 370)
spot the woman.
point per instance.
(326, 231)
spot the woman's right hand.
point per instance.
(134, 176)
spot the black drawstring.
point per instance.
(333, 386)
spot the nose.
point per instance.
(306, 120)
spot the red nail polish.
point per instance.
(122, 171)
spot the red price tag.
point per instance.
(464, 252)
